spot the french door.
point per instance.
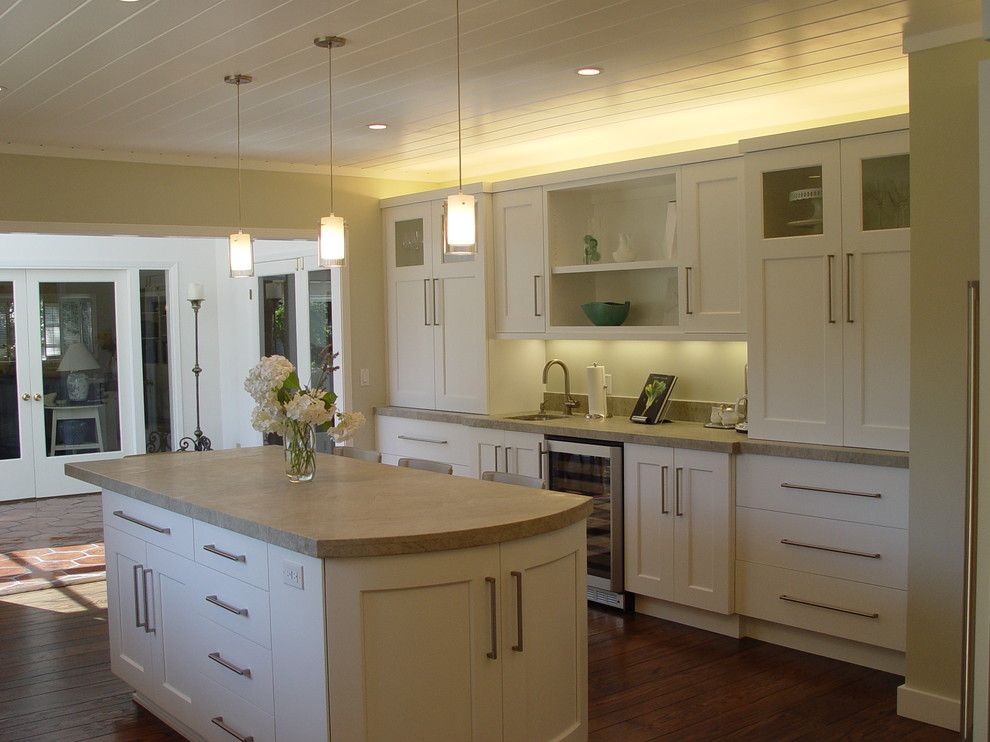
(64, 352)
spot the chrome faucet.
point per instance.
(569, 402)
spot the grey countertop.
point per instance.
(676, 434)
(351, 509)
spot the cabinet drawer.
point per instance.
(242, 720)
(239, 665)
(835, 548)
(151, 524)
(862, 494)
(422, 439)
(770, 593)
(233, 604)
(232, 553)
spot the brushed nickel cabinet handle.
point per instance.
(970, 585)
(678, 472)
(536, 294)
(833, 549)
(827, 607)
(426, 311)
(138, 623)
(148, 628)
(218, 658)
(663, 490)
(497, 449)
(812, 488)
(518, 646)
(687, 290)
(225, 554)
(492, 597)
(849, 300)
(421, 440)
(436, 304)
(218, 720)
(142, 523)
(830, 260)
(226, 606)
(506, 457)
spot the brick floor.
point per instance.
(52, 542)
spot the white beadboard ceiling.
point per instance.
(144, 80)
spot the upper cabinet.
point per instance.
(828, 291)
(437, 315)
(710, 246)
(520, 268)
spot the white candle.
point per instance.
(195, 292)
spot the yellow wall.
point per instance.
(57, 190)
(944, 256)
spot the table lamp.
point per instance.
(76, 361)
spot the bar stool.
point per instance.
(349, 452)
(508, 478)
(426, 465)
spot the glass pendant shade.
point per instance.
(241, 255)
(332, 248)
(461, 234)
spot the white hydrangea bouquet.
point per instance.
(296, 412)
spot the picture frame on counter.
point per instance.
(654, 399)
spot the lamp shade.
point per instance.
(332, 243)
(78, 358)
(241, 254)
(461, 236)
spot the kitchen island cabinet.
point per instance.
(241, 605)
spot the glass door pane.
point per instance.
(10, 437)
(79, 376)
(278, 326)
(793, 202)
(886, 193)
(408, 243)
(153, 296)
(590, 476)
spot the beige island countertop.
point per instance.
(351, 509)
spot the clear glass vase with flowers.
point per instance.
(296, 413)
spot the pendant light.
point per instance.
(240, 246)
(460, 229)
(332, 245)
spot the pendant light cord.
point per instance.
(239, 218)
(457, 34)
(330, 96)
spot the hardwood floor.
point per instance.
(649, 679)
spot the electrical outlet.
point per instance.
(365, 377)
(292, 574)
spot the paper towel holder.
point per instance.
(604, 399)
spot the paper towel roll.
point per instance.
(596, 391)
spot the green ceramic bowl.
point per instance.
(606, 313)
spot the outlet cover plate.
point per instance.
(292, 574)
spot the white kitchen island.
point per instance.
(374, 603)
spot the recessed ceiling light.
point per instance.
(377, 127)
(589, 71)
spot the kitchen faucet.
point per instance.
(569, 402)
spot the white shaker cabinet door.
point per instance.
(545, 637)
(524, 452)
(876, 292)
(711, 246)
(648, 529)
(703, 534)
(129, 601)
(520, 277)
(411, 308)
(412, 653)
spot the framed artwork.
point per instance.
(654, 399)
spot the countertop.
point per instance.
(675, 434)
(351, 509)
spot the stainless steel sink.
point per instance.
(537, 416)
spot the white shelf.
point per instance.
(633, 265)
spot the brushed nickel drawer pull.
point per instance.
(492, 596)
(421, 440)
(142, 523)
(518, 646)
(242, 671)
(226, 606)
(812, 488)
(218, 720)
(827, 607)
(833, 549)
(663, 491)
(212, 548)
